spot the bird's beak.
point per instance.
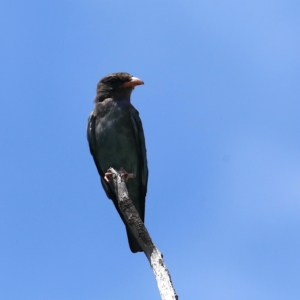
(133, 82)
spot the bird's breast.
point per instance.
(116, 139)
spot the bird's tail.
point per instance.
(133, 243)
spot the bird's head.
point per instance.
(117, 86)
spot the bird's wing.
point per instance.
(90, 132)
(91, 126)
(141, 146)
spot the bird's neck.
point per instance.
(122, 101)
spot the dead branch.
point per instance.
(140, 232)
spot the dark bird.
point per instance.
(116, 139)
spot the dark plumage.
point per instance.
(116, 139)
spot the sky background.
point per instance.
(221, 114)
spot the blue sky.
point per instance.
(221, 114)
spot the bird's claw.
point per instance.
(123, 173)
(126, 175)
(107, 176)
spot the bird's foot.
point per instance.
(107, 176)
(126, 175)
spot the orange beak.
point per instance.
(133, 82)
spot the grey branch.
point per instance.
(140, 232)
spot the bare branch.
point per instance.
(140, 232)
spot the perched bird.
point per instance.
(116, 139)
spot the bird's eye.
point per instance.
(115, 81)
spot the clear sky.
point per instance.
(221, 114)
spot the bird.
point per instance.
(116, 139)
